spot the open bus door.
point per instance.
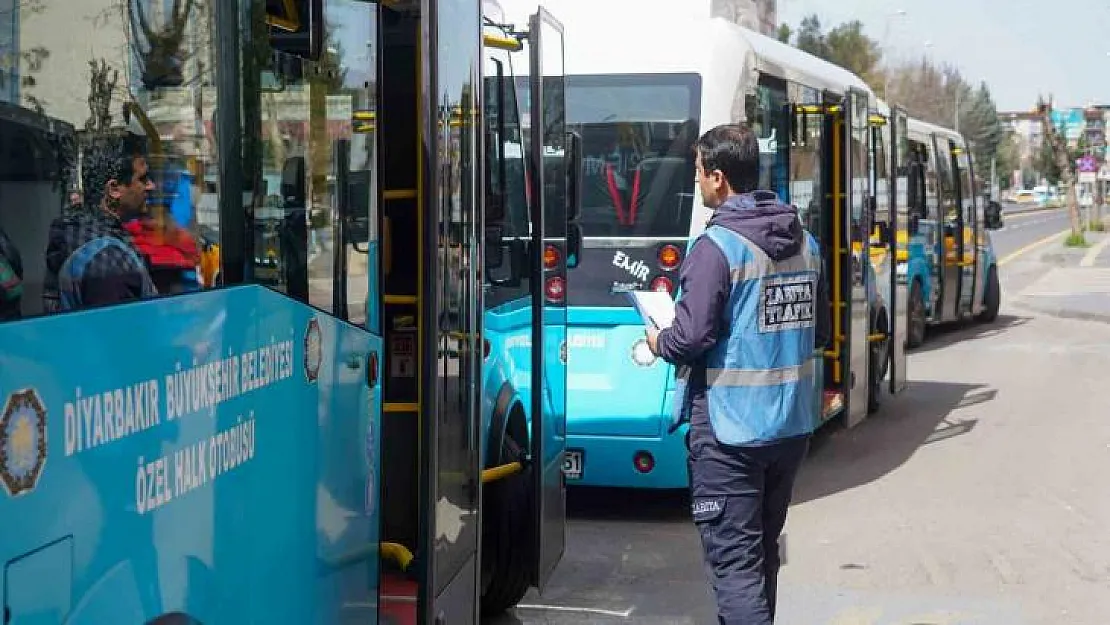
(550, 149)
(851, 202)
(899, 199)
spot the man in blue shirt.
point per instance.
(752, 313)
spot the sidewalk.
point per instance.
(1078, 285)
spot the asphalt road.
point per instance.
(973, 498)
(1024, 227)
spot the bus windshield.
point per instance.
(638, 132)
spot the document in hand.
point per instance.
(656, 308)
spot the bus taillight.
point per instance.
(555, 288)
(550, 257)
(669, 257)
(663, 284)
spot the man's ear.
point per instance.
(114, 190)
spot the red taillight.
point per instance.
(669, 257)
(643, 461)
(555, 288)
(662, 283)
(372, 370)
(550, 257)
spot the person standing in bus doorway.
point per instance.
(753, 310)
(90, 257)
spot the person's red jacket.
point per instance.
(170, 248)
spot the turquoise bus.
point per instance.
(945, 254)
(341, 442)
(638, 98)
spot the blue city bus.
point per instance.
(638, 99)
(325, 447)
(945, 255)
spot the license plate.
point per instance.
(572, 464)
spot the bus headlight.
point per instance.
(641, 354)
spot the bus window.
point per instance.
(507, 219)
(306, 151)
(768, 117)
(98, 168)
(805, 168)
(943, 156)
(637, 135)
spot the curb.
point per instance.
(1022, 302)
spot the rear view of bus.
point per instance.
(637, 133)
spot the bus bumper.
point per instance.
(627, 461)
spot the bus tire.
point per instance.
(992, 299)
(506, 538)
(916, 323)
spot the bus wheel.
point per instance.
(916, 325)
(992, 300)
(506, 537)
(878, 359)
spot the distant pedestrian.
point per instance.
(753, 310)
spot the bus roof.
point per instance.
(653, 37)
(917, 126)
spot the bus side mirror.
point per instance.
(574, 199)
(574, 175)
(992, 216)
(293, 182)
(506, 258)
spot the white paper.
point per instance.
(656, 308)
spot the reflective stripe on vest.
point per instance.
(760, 375)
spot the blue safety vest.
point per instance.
(760, 374)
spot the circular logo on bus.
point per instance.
(22, 442)
(313, 350)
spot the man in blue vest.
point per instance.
(752, 313)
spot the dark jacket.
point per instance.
(705, 282)
(11, 279)
(112, 277)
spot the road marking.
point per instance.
(1040, 211)
(561, 608)
(1092, 254)
(1032, 246)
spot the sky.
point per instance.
(1019, 47)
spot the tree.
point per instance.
(784, 33)
(853, 50)
(1056, 143)
(811, 39)
(1009, 159)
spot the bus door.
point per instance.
(970, 284)
(550, 148)
(857, 236)
(899, 293)
(950, 235)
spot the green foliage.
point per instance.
(845, 45)
(934, 93)
(1076, 239)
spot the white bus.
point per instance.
(642, 83)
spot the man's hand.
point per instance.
(653, 340)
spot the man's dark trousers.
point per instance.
(740, 496)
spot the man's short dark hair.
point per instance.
(108, 157)
(734, 150)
